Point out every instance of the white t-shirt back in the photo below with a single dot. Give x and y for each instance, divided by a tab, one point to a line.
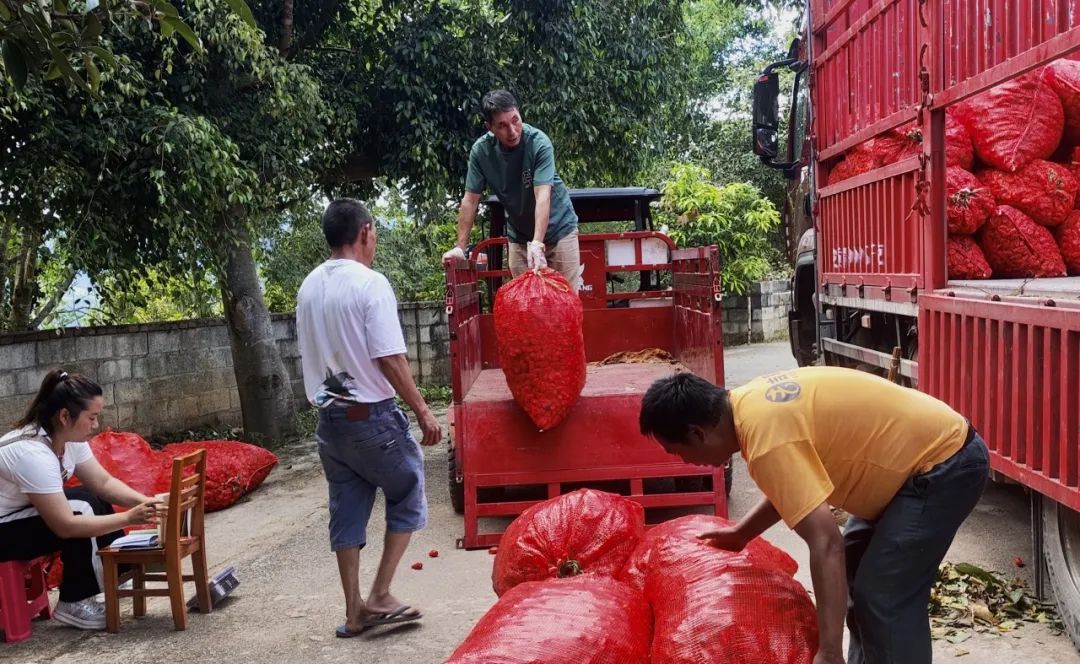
346	318
27	465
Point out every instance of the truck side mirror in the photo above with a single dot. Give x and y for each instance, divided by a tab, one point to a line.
766	115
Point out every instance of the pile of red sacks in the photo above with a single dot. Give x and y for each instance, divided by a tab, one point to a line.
233	469
580	580
1013	179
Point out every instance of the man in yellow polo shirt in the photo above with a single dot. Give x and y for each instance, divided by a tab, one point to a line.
907	467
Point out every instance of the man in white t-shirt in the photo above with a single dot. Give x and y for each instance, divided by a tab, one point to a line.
354	361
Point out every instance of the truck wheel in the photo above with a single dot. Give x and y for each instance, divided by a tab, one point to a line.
457	489
1061	546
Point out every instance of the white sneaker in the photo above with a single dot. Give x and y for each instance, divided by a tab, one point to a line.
84	614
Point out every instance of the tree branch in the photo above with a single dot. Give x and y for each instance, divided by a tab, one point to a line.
289	203
315	30
7	225
46	310
335	49
22	291
285	41
354	168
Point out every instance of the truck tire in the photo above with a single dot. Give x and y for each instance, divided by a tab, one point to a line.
1061	551
457	489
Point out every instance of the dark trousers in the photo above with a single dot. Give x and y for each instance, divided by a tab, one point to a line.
892	563
24	539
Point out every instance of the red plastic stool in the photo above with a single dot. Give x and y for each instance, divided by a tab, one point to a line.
24	595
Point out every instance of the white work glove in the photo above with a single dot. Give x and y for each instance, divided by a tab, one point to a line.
456	253
535	251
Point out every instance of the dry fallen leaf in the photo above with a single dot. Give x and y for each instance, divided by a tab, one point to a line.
981	612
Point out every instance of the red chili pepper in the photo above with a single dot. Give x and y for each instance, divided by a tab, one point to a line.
418	565
434	553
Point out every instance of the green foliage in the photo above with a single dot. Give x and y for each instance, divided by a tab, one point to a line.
68	40
183	145
734	216
408	253
306	422
156	297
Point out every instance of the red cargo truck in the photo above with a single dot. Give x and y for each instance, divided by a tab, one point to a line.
871	286
499	463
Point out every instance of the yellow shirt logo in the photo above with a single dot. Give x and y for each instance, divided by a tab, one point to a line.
782	392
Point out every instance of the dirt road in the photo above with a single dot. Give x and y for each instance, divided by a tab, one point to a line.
289	600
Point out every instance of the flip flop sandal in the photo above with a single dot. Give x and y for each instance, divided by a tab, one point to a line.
343	631
398	615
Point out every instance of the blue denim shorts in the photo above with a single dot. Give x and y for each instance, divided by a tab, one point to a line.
360	457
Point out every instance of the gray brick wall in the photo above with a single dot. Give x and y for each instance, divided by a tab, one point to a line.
173	376
758	316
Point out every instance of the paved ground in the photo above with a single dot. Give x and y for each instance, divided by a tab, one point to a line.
289	601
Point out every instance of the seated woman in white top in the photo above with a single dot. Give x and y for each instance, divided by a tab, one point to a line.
39	516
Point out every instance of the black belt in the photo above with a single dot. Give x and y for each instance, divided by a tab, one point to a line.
971	433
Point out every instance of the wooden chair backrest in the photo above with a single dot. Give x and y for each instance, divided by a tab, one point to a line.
186	494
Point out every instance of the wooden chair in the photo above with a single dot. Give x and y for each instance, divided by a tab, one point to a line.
185	498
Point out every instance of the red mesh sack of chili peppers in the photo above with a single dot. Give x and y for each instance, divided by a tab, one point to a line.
233	468
727	611
966	259
1068	239
583	532
683	533
130	458
583	620
968	204
1014	123
1017	247
541	348
1043	190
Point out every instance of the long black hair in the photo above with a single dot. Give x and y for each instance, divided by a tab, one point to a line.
59	390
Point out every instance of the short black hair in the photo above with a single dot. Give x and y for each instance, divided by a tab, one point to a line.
497	101
673	404
343	221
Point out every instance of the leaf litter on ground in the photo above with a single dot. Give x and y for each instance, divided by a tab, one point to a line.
966	599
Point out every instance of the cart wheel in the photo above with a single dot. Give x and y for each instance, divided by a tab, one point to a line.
457	489
1061	542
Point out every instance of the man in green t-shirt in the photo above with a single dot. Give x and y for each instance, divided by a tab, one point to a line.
517	162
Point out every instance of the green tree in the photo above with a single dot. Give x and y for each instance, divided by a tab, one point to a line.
733	216
185	155
63	38
409	253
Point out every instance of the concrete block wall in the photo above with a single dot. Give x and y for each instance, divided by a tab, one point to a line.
169	377
758	316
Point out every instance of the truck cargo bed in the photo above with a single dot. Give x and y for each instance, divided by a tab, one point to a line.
1059	288
600	380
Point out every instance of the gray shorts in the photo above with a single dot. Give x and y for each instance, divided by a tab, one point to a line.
360	457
